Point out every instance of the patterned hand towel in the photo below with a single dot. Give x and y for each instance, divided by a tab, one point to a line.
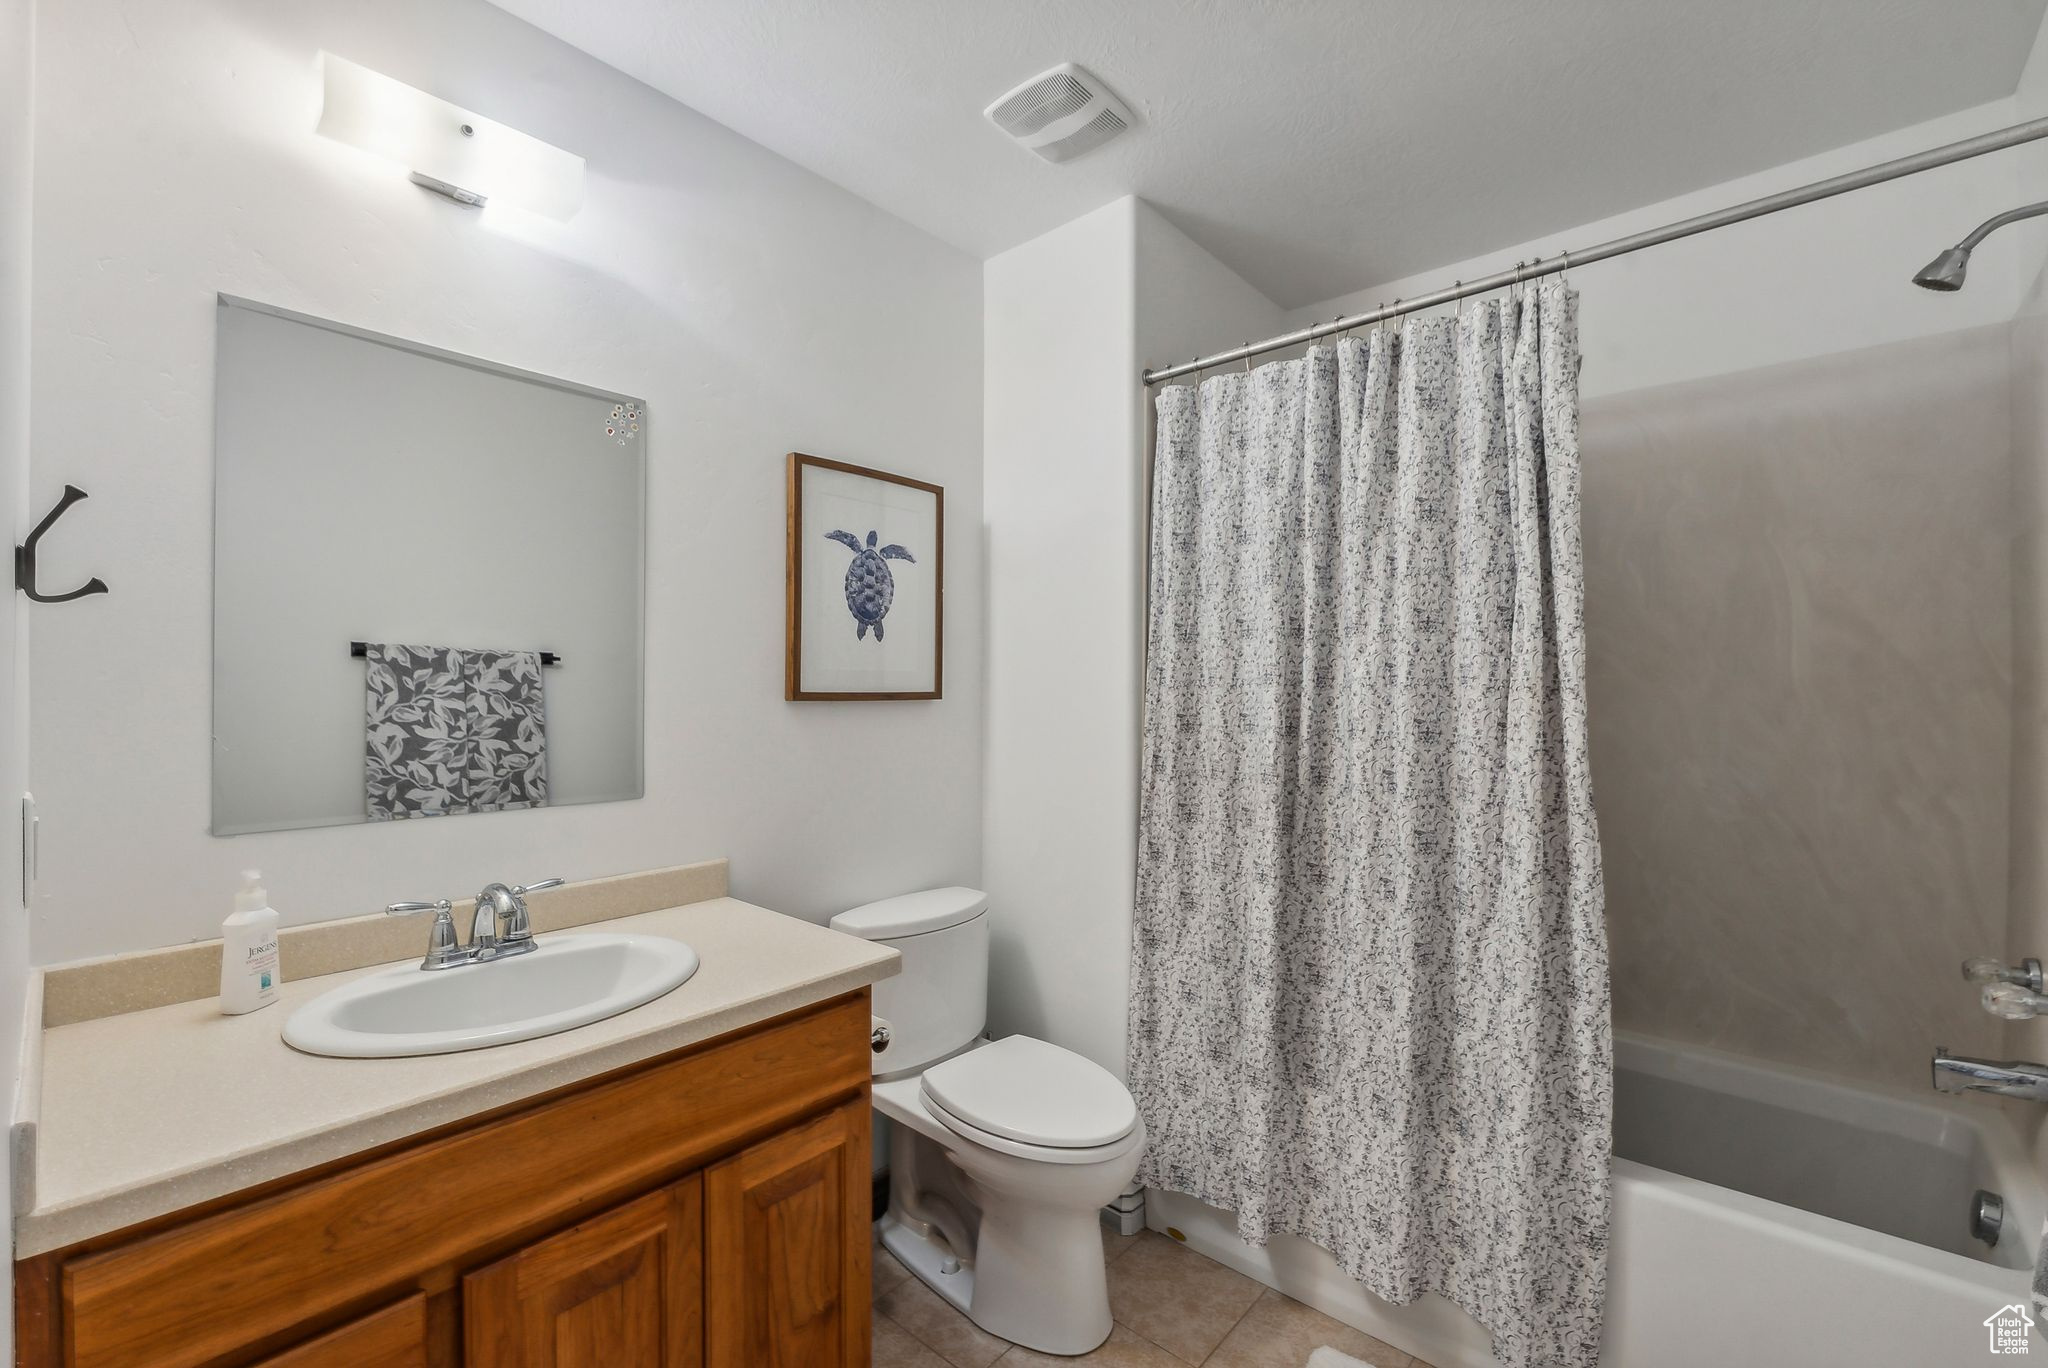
448	730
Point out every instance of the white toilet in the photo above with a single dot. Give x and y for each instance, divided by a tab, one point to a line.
1003	1152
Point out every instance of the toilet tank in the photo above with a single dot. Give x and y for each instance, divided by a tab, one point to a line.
940	1001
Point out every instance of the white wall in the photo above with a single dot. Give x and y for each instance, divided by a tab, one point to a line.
1059	500
17	93
1823	278
1188	301
757	309
367	492
1067	319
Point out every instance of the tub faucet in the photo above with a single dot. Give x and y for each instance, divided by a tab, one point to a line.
2007	1078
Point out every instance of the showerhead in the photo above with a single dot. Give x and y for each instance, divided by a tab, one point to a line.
1946	271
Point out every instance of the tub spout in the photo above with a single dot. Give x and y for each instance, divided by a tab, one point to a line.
2007	1078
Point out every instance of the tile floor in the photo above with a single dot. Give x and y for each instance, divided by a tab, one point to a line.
1173	1308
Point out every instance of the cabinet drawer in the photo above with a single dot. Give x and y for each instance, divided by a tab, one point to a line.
310	1250
395	1337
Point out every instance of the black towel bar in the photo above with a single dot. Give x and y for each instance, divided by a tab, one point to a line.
359	649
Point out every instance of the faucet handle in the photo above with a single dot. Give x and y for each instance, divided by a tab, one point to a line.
516	930
1985	969
444	948
2014	1002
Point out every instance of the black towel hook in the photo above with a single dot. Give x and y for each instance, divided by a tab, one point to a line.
25	556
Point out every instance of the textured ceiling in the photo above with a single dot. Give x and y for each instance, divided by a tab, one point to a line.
1315	146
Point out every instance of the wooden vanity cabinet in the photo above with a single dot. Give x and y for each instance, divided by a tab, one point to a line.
780	1219
627	1287
704	1209
395	1337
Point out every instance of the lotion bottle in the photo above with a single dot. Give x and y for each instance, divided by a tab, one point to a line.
248	950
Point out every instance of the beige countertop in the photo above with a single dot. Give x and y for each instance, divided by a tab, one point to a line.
152	1111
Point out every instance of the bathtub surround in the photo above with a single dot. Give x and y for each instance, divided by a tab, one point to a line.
1369	995
755	307
1800	636
2027	911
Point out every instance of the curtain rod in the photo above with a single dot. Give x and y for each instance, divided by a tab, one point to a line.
1634	242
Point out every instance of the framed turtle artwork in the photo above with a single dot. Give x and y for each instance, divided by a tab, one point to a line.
866	591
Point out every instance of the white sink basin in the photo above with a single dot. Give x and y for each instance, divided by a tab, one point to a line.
570	981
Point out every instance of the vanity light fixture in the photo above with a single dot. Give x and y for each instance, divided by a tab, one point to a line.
447	149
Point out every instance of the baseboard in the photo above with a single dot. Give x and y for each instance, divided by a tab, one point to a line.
1432	1329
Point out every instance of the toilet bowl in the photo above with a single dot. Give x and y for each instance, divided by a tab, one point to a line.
1002	1153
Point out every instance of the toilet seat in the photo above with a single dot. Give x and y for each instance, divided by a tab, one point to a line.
977	1138
1024	1096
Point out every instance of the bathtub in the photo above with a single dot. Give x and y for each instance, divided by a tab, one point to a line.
1763	1218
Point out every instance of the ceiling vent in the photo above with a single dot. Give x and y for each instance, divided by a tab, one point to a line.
1061	113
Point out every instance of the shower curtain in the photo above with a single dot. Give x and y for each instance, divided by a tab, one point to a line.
1369	996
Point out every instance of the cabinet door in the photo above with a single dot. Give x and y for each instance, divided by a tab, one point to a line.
786	1235
622	1288
395	1337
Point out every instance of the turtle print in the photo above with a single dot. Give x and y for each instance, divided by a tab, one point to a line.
870	588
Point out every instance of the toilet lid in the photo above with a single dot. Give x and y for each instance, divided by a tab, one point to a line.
1033	1092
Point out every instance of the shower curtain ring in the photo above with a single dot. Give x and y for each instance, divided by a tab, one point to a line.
1458	301
1564	271
1247	359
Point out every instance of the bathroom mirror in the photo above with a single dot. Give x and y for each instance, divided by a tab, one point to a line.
428	577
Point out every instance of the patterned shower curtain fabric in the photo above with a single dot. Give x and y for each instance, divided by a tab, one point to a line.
1369	966
450	731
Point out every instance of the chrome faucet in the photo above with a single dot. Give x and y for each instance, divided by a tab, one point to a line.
497	930
2007	1078
444	947
499	927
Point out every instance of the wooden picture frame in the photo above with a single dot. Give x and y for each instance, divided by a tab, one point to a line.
869	593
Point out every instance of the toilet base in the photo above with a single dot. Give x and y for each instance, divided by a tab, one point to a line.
927	1261
1027	1227
1044	1283
1070	1257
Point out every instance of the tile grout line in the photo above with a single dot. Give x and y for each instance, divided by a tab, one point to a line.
940	1354
931	1348
1234	1324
